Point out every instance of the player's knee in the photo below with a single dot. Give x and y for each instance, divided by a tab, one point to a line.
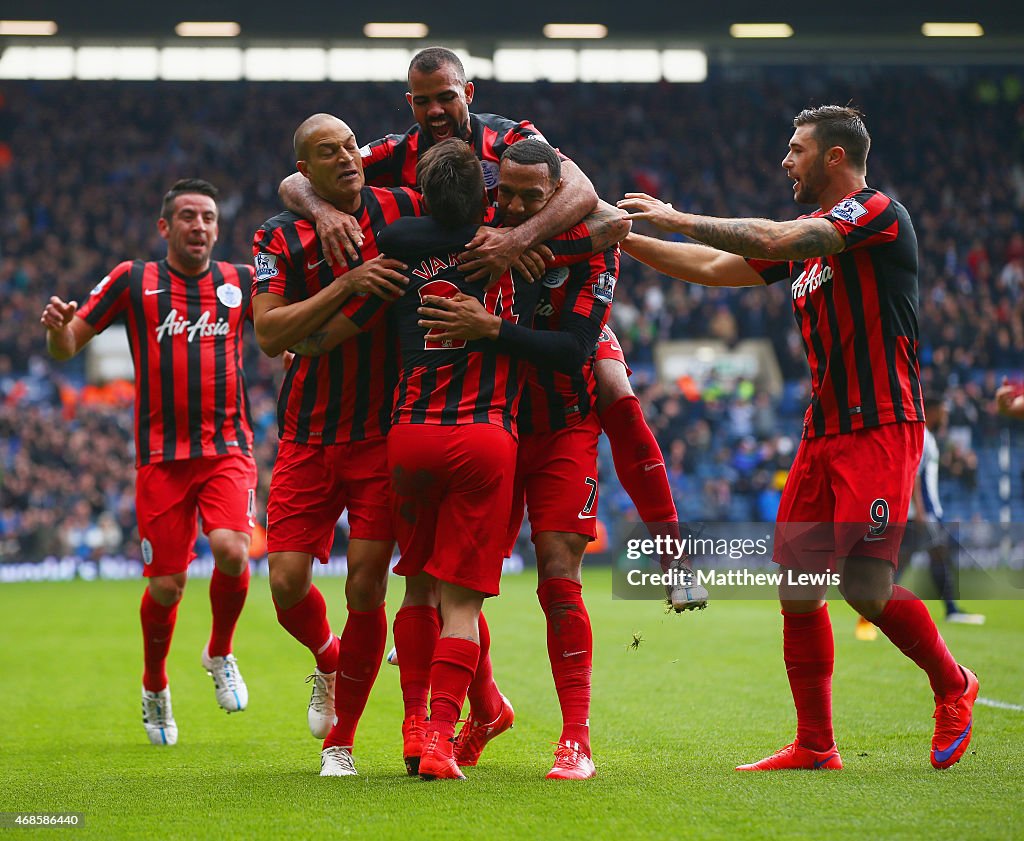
230	552
365	589
286	587
612	383
166	590
559	555
870	609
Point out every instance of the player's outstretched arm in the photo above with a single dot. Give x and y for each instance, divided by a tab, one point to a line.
692	263
758	238
66	333
338	231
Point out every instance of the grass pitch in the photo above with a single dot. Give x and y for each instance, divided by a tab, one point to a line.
701	693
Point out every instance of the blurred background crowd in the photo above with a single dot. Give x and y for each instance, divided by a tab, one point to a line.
83	167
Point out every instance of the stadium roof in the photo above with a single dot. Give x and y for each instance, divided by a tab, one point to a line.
699	24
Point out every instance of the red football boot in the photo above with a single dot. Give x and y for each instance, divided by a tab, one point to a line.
412	743
474	735
438	760
794	757
571	763
954	722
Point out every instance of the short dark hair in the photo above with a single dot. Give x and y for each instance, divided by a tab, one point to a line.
452	181
432	59
934	400
839	125
184	187
529	152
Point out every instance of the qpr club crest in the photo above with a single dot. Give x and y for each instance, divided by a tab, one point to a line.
605	287
229	295
99	287
554	278
147	551
266	266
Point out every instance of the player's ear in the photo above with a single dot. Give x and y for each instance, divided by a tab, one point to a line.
408	97
163	227
469	92
835	156
302	167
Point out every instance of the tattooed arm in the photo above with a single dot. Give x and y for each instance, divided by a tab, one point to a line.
607	226
337	329
691	262
758	238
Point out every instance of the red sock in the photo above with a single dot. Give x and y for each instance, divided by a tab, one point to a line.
639	462
910	627
570	650
484	697
455	661
809	652
157	630
416	630
359	656
306	620
227	597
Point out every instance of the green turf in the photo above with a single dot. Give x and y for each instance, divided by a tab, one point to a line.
671	718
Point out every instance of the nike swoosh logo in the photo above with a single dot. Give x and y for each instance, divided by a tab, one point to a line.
586	516
821	762
155	291
649	467
573	653
873	539
349	677
311	266
943	755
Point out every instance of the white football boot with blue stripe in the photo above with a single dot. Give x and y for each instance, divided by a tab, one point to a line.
232	693
685	592
157	717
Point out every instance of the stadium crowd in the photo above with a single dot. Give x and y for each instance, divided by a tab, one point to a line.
949	146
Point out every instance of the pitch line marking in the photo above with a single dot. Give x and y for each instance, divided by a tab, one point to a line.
1001	705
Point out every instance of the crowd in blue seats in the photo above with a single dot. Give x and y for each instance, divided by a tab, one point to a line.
83	167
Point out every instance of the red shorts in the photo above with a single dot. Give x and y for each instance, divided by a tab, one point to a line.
608	348
168	494
848	495
451	488
556	481
313	484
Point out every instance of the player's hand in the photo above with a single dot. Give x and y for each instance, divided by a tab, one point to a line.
340	235
1010	400
57	315
490	254
382	276
531	263
642	206
459	317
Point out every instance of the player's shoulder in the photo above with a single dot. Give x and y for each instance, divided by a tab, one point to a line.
119	276
284	219
864	204
383	146
392	194
501	124
228	270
